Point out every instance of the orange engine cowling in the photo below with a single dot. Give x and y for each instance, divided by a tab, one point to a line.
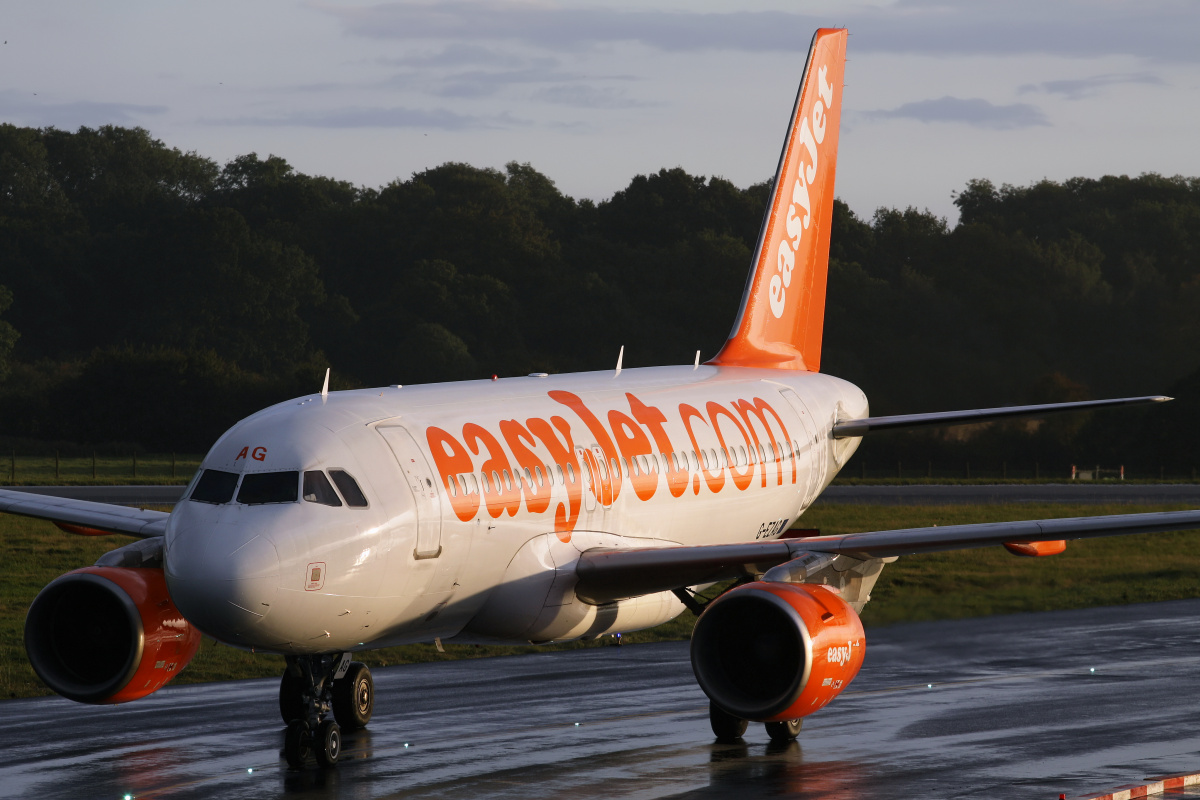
772	651
108	634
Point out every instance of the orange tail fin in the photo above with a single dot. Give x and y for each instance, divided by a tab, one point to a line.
783	308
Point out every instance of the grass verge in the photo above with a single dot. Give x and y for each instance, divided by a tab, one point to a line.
968	583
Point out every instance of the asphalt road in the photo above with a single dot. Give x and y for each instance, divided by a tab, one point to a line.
1106	492
1000	707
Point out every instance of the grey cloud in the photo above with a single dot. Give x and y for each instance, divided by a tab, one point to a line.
1079	88
480	83
25	106
1078	28
459	55
582	96
436	119
973	111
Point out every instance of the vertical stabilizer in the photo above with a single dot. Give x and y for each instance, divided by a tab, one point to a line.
783	308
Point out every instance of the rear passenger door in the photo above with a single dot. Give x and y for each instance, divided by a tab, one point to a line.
424	488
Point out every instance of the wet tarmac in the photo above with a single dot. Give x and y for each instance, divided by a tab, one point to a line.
1000	707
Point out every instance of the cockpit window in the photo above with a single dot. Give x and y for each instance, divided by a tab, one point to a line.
269	487
215	486
318	489
349	488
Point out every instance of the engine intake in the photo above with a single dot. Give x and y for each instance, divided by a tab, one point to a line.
107	635
770	651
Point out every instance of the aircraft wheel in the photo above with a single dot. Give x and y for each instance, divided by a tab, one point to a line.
328	745
291	698
725	726
784	731
297	743
354	697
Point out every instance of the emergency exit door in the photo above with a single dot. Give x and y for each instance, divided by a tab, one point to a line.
426	494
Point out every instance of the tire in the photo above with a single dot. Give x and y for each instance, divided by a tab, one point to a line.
291	698
784	731
354	697
328	744
725	726
297	743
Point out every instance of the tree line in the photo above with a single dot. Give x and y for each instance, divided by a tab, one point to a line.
153	297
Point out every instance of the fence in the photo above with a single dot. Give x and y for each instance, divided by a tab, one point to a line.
1004	470
100	468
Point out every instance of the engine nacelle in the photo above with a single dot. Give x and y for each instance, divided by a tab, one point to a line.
771	651
108	634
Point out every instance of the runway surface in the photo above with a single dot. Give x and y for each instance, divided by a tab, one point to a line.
1001	707
1105	492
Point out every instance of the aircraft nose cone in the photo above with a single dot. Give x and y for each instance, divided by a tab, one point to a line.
224	590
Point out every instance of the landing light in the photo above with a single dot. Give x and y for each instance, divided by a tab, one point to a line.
930	685
1093	669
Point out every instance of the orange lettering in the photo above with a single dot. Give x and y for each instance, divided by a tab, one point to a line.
537	497
594	425
453	459
633	442
259	454
715	484
242	454
655	420
501	498
563	454
757	408
740	480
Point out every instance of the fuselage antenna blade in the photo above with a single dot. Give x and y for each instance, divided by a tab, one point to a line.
620	358
697	364
325	388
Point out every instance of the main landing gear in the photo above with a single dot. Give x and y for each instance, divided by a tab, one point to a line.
314	686
728	728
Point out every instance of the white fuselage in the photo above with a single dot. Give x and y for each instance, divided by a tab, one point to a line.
481	495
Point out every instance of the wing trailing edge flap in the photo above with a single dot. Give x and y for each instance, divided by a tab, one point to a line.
606	575
100	517
857	427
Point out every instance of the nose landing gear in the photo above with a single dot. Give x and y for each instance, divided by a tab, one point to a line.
311	688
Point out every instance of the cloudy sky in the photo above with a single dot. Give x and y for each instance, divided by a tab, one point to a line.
592	92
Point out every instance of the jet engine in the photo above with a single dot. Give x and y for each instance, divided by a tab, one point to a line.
771	651
108	634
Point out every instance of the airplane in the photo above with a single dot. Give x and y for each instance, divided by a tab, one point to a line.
536	509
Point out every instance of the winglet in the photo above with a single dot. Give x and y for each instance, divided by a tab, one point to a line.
783	308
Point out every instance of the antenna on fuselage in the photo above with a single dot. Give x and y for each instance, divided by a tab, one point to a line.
697	364
620	358
325	388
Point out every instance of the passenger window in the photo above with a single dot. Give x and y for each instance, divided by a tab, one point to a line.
508	483
571	473
215	487
540	478
487	486
474	484
318	489
558	469
349	488
260	488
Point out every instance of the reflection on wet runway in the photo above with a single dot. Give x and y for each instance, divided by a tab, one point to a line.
996	707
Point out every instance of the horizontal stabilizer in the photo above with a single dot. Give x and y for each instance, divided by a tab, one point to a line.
609	575
857	427
85	514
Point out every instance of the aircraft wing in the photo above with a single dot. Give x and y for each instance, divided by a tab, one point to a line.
86	517
608	575
857	427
